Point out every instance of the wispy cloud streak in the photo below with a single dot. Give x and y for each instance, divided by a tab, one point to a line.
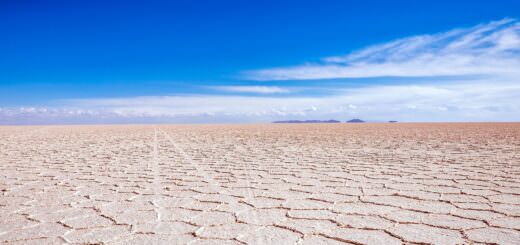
252	89
486	49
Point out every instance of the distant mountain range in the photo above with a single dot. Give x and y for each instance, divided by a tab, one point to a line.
320	121
308	121
355	120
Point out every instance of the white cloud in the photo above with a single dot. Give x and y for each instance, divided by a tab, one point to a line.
463	101
252	89
487	49
193	105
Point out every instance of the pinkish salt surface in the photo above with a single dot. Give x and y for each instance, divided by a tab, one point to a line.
261	184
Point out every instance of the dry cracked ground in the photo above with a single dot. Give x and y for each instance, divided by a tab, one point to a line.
261	184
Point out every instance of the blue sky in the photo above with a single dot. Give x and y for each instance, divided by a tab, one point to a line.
258	61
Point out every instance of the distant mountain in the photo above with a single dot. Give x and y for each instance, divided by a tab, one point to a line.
308	121
355	121
392	121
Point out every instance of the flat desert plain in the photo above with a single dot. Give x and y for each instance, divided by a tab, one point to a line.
261	184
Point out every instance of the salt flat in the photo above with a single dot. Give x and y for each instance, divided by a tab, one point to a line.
261	184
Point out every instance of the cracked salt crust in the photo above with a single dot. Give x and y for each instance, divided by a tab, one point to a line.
261	184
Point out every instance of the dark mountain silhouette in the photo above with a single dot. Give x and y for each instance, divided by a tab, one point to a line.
355	120
308	121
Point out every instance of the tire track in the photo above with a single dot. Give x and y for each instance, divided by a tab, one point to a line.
212	182
156	183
